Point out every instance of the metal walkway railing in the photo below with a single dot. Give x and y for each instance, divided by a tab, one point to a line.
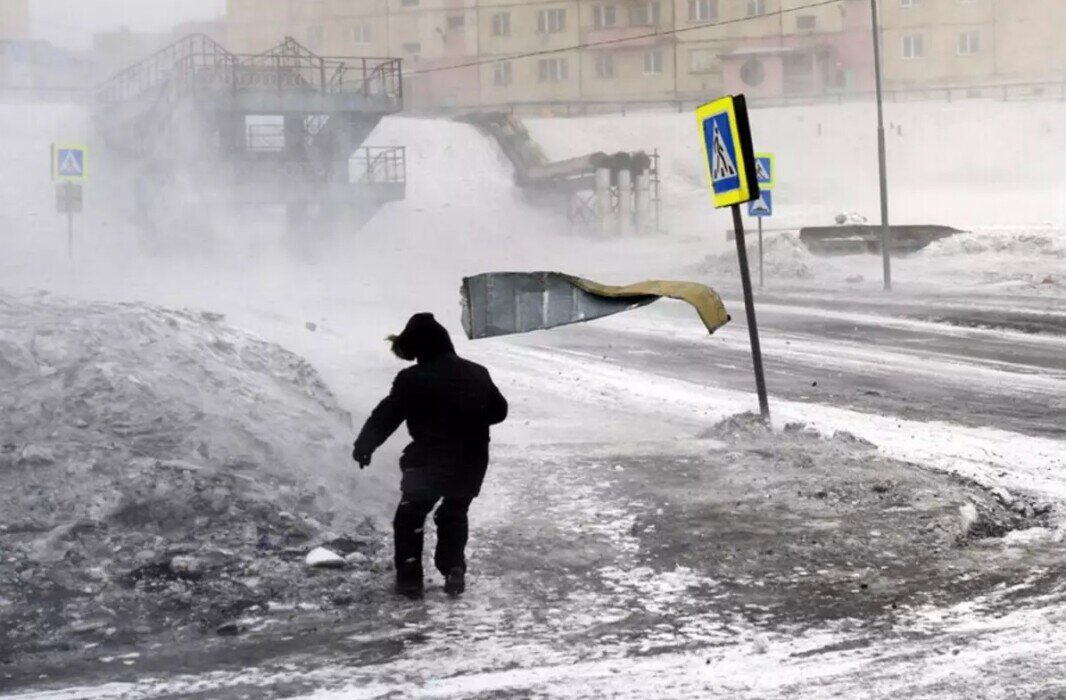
199	63
379	165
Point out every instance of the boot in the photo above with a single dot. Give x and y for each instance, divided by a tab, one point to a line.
455	582
409	590
409	582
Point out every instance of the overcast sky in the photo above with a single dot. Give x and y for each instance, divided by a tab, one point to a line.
72	23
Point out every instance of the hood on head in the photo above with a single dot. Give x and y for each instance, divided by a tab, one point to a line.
422	339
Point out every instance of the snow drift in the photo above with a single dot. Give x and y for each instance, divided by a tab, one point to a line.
103	401
785	257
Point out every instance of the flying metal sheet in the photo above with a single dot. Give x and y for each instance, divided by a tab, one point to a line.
503	303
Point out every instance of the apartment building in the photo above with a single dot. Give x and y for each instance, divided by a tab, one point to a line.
938	42
955	43
633	49
14	20
628	54
771	48
666	49
1027	38
633	52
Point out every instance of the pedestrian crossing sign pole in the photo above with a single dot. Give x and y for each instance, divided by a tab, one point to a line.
70	170
734	179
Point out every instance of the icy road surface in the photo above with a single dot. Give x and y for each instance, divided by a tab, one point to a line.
920	361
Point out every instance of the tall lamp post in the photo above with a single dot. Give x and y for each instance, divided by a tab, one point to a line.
885	253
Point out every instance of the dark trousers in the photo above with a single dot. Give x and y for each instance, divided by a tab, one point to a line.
408	529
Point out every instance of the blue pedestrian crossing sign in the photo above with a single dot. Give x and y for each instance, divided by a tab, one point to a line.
70	163
763	206
726	137
764	170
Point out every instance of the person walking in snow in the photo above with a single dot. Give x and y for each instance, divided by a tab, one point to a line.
448	404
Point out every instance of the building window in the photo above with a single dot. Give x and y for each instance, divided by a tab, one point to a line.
756	8
806	21
910	3
969	43
604	16
646	14
604	65
653	62
501	24
409	3
702	61
502	73
361	34
314	37
411	47
702	10
551	21
456	22
552	70
912	46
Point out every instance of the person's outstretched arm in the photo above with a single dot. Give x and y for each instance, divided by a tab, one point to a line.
497	409
383	422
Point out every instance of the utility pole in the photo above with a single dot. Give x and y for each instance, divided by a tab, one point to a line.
885	252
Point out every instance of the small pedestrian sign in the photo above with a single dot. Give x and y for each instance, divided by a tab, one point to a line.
726	139
70	163
763	206
764	170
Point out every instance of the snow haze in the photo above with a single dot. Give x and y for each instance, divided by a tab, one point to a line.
72	24
895	530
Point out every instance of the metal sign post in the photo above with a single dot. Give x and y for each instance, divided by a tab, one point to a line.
749	305
70	168
881	158
761	279
733	175
69	201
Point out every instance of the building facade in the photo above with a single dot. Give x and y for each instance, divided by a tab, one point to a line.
938	42
959	43
470	53
774	48
14	20
28	64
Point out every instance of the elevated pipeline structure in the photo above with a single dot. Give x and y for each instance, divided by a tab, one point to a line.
608	193
283	127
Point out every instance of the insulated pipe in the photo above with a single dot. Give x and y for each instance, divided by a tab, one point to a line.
565	168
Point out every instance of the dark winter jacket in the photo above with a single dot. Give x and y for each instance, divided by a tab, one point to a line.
448	404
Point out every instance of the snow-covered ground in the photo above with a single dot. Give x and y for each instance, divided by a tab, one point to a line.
890	370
